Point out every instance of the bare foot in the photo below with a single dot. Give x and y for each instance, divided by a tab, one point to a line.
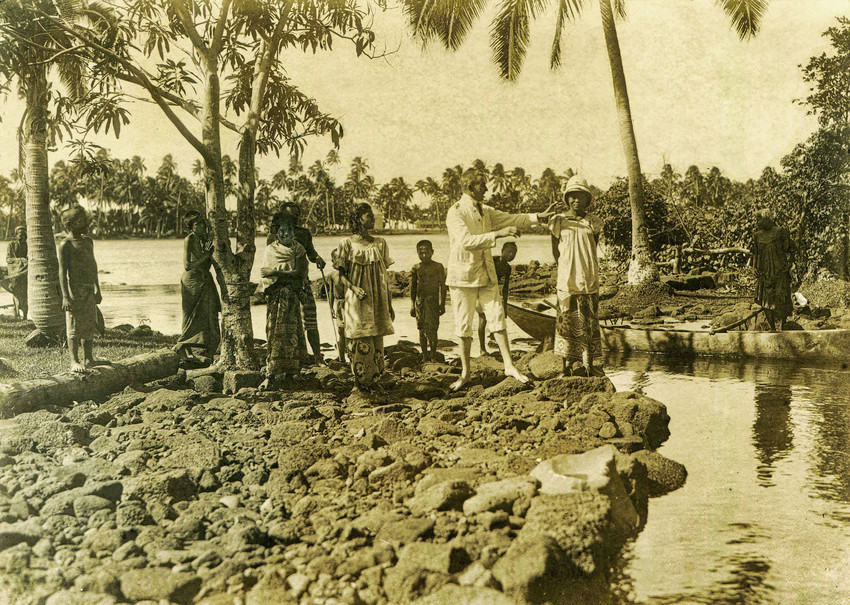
514	373
78	368
264	385
459	383
485	353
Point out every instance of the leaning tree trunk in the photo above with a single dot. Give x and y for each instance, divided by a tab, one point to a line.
45	299
641	267
237	339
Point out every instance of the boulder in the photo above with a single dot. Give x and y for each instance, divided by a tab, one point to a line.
595	469
177	485
405	531
646	416
664	475
156	584
532	568
570	389
40	431
500	495
234	380
582	525
441	558
21	532
546	365
465	595
448	495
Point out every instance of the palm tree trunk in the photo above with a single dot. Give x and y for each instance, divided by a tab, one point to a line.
45	300
641	267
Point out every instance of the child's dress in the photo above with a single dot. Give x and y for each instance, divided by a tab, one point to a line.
577	325
287	346
367	321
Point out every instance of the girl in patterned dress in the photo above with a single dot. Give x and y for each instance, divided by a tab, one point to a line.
362	261
283	276
574	236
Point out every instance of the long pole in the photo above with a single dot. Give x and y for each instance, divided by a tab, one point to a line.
331	307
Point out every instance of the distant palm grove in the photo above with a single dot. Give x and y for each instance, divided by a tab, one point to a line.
695	208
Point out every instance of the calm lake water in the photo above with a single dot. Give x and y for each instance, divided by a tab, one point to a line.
141	281
765	514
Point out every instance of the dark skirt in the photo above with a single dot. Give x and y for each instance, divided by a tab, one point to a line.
284	329
775	294
201	306
577	327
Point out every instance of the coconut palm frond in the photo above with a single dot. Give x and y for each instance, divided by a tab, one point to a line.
509	35
71	73
447	20
568	10
619	7
746	15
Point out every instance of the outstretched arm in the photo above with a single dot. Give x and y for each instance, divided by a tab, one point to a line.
459	232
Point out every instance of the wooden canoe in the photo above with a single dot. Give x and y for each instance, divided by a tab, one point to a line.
808	345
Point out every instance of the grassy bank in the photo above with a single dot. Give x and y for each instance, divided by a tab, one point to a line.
26	363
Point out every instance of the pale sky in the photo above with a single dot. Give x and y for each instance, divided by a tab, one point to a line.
698	94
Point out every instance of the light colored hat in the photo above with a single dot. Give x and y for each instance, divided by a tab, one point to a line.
577	183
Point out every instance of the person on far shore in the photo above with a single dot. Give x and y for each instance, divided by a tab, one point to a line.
16	265
427	297
283	272
503	275
309	313
201	302
80	288
336	295
575	234
773	254
362	263
473	230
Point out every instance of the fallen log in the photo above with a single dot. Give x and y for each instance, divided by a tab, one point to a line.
717	251
100	382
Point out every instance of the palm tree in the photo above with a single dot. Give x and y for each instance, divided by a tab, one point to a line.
432	189
449	22
333	160
28	51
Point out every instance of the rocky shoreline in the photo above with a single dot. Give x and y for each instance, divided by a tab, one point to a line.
174	492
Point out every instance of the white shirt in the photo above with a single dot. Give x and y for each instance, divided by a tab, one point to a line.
471	236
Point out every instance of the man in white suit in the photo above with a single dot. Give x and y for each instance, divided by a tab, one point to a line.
471	277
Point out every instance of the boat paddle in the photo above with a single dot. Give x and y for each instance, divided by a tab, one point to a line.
331	307
735	324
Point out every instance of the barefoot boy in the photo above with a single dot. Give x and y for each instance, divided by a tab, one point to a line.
503	274
427	297
80	287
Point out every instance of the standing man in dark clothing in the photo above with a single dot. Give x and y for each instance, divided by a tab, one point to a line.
308	302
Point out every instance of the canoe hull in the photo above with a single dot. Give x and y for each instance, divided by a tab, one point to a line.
804	345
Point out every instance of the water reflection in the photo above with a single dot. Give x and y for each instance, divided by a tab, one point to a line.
765	514
772	432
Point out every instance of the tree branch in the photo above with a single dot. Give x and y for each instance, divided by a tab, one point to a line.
144	81
218	32
189	26
172	98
